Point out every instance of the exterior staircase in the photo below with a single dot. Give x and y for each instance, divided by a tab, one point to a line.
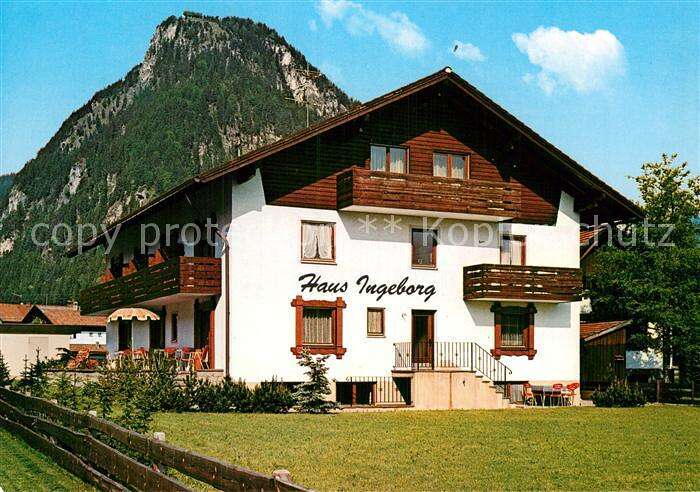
453	375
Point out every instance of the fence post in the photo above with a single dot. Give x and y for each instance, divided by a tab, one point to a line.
692	392
658	390
159	436
282	475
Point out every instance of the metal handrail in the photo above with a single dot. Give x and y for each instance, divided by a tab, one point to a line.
469	356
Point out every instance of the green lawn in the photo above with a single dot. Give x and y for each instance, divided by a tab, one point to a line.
23	469
656	447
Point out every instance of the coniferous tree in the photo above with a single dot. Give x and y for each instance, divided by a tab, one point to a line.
4	372
310	396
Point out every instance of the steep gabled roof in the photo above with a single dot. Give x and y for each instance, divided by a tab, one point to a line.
70	316
13	313
569	166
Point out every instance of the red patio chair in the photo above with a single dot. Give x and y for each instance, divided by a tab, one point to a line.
205	357
79	359
557	394
570	393
528	395
170	352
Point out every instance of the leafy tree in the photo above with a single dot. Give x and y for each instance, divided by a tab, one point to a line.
4	372
310	396
671	195
656	286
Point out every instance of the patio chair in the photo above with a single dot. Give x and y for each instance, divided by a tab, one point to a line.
570	393
79	359
187	358
528	395
205	357
557	394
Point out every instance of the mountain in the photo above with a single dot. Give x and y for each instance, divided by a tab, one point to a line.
208	89
6	181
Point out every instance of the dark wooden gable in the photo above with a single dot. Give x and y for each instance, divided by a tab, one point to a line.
440	117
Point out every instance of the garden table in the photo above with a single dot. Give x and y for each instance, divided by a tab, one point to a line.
543	391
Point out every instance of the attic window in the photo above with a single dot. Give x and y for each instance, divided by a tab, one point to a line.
389	159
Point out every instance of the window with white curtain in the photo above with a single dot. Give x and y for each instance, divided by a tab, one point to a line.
389	159
375	322
512	250
317	241
450	165
318	326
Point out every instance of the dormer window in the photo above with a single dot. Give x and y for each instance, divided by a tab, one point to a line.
389	159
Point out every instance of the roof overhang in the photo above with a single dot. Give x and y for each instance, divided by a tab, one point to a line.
607	331
42	329
568	164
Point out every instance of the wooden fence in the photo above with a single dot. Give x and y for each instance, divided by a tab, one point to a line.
75	441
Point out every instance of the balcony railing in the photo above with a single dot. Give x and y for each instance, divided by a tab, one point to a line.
182	275
515	282
360	188
466	356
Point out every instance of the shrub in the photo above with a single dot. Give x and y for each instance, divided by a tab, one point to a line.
5	378
310	396
33	379
272	397
237	395
620	394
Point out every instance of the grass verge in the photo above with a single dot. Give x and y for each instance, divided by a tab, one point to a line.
22	468
656	447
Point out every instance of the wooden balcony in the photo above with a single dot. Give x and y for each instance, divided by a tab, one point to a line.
522	283
371	191
182	276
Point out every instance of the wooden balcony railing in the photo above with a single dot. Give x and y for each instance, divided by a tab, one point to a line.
359	187
182	275
514	282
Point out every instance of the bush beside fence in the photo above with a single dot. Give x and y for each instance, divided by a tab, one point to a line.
40	422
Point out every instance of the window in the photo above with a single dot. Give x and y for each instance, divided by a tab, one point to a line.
375	322
512	250
140	259
513	327
319	326
116	265
514	330
173	327
388	159
450	165
424	247
318	242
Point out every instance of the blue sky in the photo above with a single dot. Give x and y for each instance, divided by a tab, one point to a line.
611	84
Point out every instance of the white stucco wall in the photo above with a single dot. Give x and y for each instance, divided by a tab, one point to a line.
15	347
265	267
89	337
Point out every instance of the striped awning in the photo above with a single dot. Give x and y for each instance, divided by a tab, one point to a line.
138	314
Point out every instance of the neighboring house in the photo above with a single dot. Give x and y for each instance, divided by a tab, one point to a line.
26	328
606	352
426	240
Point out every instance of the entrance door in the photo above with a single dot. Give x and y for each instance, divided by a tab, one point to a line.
422	337
157	332
124	341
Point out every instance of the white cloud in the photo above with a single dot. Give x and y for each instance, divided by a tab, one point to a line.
312	25
584	62
467	51
396	29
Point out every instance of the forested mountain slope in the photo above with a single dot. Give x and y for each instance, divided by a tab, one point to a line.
207	90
